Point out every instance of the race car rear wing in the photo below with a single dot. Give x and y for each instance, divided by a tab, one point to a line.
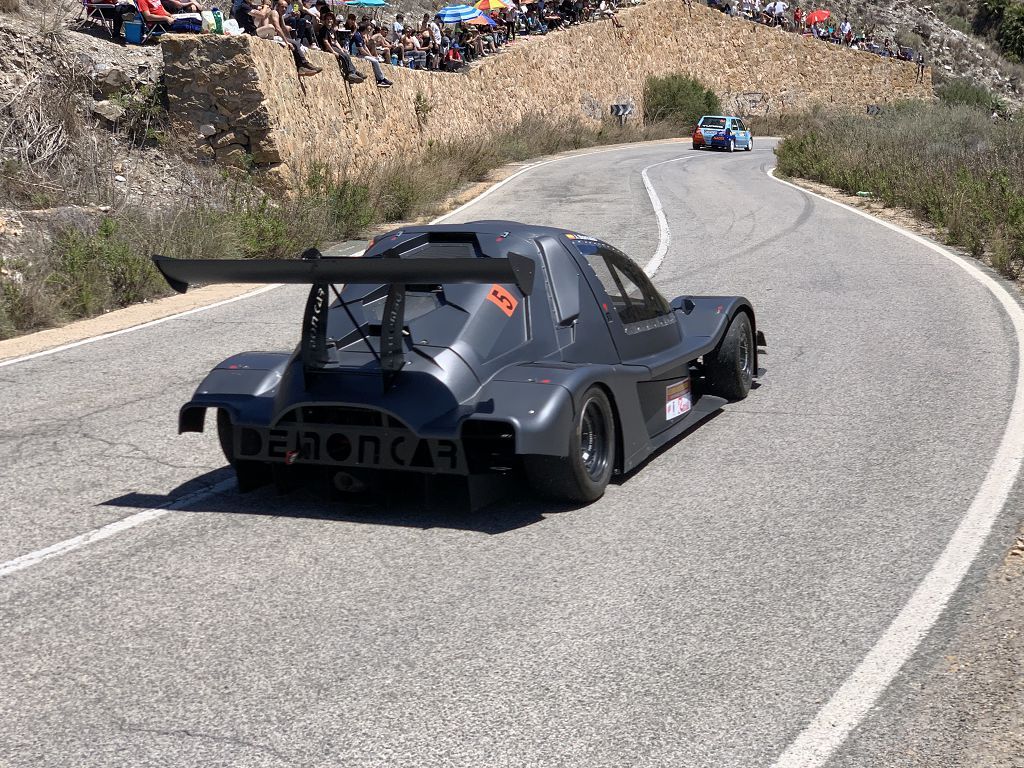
181	273
320	273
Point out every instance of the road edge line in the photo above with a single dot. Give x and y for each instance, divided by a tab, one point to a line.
863	687
29	559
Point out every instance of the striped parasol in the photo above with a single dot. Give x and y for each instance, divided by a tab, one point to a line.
453	14
490	5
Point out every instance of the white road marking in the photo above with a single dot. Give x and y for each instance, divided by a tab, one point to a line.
861	690
112	529
106	531
532	166
664	234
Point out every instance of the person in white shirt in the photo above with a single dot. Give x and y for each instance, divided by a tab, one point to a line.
435	31
846	31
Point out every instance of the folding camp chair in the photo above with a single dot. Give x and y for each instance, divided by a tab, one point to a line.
139	32
96	13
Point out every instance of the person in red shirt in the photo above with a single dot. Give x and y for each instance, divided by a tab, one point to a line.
153	12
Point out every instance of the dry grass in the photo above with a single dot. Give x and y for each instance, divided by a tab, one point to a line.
951	165
9	6
89	272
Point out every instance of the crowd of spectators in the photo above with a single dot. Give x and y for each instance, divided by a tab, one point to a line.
428	43
332	27
820	24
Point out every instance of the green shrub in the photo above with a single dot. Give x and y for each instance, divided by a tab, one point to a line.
1011	32
989	15
949	164
964	92
679	100
93	273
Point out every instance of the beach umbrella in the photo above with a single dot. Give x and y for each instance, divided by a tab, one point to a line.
816	16
453	14
366	3
490	5
482	21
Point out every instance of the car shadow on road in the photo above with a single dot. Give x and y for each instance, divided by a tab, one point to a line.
408	504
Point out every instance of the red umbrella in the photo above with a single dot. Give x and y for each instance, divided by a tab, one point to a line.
815	16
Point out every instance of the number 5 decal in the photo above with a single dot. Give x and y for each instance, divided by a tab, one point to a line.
505	300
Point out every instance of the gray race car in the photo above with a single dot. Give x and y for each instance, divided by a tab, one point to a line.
472	349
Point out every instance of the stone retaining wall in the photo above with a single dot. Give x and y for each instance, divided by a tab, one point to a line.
242	97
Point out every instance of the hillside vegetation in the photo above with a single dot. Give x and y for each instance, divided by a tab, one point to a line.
947	162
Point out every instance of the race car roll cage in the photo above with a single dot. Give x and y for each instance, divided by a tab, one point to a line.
388	268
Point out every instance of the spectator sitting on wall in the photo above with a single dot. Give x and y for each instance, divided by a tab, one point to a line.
328	41
364	48
385	49
266	23
413	48
297	16
607	11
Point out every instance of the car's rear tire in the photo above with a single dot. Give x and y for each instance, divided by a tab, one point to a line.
583	473
250	474
732	145
729	370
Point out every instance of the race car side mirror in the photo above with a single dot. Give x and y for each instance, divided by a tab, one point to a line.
683	304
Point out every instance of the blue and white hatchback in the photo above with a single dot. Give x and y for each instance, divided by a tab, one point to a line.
722	132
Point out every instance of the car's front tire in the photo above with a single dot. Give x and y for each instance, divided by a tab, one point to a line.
582	475
729	370
750	144
696	145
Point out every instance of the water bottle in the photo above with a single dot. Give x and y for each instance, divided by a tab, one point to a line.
218	21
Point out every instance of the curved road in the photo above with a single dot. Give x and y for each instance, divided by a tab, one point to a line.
698	615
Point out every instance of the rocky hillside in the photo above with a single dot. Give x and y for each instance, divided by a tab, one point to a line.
943	29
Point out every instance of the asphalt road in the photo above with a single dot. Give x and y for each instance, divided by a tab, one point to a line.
698	615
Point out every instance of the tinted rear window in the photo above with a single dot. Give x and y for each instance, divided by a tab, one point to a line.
712	122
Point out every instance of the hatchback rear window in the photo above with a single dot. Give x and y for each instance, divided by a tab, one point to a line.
717	123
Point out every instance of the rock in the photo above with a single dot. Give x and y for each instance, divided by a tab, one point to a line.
231	137
108	110
120	179
205	153
112	81
232	154
207	130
